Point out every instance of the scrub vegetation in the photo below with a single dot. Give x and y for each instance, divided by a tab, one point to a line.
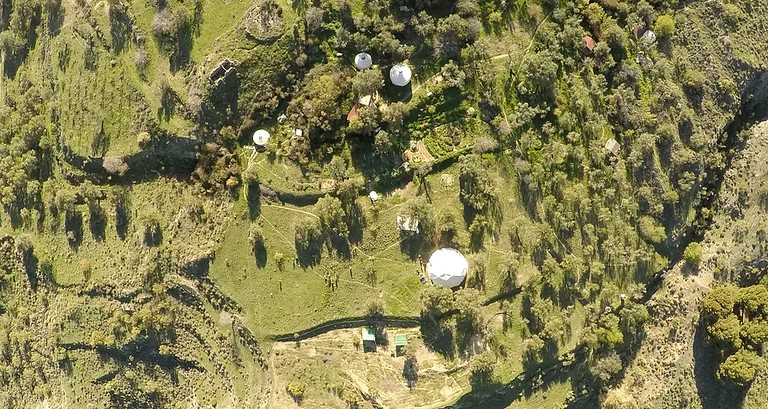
591	160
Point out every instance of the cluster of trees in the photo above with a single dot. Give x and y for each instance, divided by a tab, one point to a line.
25	146
388	36
456	319
31	195
736	322
28	353
18	22
562	119
339	218
216	167
479	194
147	328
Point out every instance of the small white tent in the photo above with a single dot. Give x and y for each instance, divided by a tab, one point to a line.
400	75
261	137
363	61
447	267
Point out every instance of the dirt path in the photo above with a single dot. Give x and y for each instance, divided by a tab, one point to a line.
291	209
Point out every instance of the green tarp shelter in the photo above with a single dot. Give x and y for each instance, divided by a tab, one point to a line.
369	339
401	340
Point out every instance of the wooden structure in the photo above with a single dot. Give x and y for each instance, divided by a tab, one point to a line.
589	45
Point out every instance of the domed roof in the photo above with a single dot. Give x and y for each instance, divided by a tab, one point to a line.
363	61
261	137
447	267
400	75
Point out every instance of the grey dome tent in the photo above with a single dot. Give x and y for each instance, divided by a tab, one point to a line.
363	61
400	75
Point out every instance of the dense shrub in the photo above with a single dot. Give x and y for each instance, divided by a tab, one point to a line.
296	390
141	60
651	230
664	26
692	254
165	25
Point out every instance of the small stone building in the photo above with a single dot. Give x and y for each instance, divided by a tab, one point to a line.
224	70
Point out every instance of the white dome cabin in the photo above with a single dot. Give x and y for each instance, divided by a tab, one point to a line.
363	61
447	267
400	75
260	138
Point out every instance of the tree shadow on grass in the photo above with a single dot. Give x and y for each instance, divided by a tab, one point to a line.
341	247
31	267
168	102
253	196
309	253
73	225
260	254
120	27
438	337
411	244
55	19
14	215
411	371
493	395
713	393
356	222
153	234
183	51
97	224
122	218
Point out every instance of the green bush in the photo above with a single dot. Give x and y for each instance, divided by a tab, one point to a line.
732	14
740	368
296	390
692	254
651	230
665	26
694	79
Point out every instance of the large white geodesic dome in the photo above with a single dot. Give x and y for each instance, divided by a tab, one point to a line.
447	267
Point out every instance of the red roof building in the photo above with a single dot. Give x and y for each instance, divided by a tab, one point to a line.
352	112
589	44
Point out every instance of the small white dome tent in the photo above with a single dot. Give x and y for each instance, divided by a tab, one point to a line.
261	137
363	61
400	75
447	267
